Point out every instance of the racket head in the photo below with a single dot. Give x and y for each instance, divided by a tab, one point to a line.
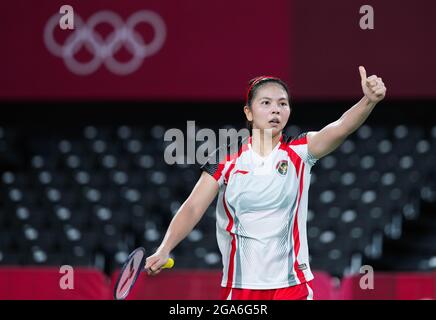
129	273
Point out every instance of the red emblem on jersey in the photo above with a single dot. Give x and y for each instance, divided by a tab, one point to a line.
282	167
241	171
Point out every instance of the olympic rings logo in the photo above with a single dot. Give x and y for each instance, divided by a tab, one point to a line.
103	50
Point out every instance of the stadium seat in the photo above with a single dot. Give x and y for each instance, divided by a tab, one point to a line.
92	194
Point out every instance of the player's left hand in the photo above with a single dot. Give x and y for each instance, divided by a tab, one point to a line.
155	262
373	87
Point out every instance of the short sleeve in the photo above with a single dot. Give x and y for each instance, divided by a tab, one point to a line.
216	170
299	145
220	161
215	166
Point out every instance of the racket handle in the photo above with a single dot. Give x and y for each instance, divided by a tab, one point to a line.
169	264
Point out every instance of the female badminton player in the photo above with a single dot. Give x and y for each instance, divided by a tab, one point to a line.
263	196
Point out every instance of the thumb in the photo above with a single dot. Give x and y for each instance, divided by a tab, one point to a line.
362	73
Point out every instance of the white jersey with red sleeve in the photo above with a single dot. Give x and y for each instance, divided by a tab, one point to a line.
261	215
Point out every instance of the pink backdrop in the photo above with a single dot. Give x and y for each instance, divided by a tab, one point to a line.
90	284
211	49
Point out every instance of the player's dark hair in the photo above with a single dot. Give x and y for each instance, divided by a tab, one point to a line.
255	84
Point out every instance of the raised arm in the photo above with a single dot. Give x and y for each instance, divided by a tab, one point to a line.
184	221
321	143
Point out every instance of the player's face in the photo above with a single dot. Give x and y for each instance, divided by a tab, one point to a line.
270	108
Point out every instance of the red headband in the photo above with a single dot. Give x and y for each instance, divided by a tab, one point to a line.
256	81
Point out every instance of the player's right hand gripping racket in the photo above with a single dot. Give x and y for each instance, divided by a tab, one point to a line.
133	266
